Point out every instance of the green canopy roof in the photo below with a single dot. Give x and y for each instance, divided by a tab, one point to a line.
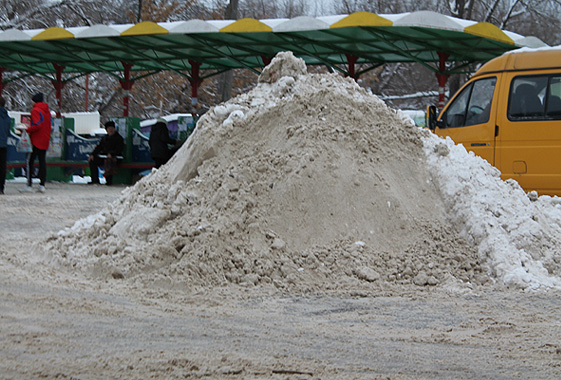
217	45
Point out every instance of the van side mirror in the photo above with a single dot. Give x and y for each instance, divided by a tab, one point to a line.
431	117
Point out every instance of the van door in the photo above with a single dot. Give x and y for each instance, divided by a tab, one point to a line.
529	132
469	118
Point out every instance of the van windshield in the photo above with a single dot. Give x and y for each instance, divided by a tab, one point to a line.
472	106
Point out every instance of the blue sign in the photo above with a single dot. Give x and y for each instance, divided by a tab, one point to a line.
140	147
79	148
12	154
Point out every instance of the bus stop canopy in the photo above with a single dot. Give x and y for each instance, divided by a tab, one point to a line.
198	49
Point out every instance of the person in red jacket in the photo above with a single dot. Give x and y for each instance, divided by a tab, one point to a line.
40	134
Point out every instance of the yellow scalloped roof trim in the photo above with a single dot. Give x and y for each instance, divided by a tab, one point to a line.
487	30
362	19
145	28
246	25
54	33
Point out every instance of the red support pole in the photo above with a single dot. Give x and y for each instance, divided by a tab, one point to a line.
126	83
266	60
442	79
58	84
195	81
351	59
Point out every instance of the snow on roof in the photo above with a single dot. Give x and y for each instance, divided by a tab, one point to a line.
168	118
301	23
425	19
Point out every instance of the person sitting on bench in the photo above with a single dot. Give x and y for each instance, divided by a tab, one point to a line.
106	154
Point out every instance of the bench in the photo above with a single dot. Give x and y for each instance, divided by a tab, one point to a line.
70	167
82	164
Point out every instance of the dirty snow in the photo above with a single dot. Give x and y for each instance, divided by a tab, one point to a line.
311	183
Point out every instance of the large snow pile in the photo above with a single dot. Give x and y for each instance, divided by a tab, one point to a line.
307	183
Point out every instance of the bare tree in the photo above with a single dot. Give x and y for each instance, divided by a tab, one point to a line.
293	8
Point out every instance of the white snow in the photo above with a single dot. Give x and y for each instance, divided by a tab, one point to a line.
512	232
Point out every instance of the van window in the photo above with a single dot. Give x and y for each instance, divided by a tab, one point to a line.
472	106
529	96
553	107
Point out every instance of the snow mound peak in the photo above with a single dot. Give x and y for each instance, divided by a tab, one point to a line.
285	64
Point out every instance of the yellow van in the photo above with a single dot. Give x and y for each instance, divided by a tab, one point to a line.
509	113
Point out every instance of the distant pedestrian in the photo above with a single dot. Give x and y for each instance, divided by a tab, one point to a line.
106	153
161	144
39	132
4	132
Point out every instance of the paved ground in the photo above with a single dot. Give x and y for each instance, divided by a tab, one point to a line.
57	324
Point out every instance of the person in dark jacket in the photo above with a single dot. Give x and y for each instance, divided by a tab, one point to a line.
106	153
4	132
39	132
160	142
